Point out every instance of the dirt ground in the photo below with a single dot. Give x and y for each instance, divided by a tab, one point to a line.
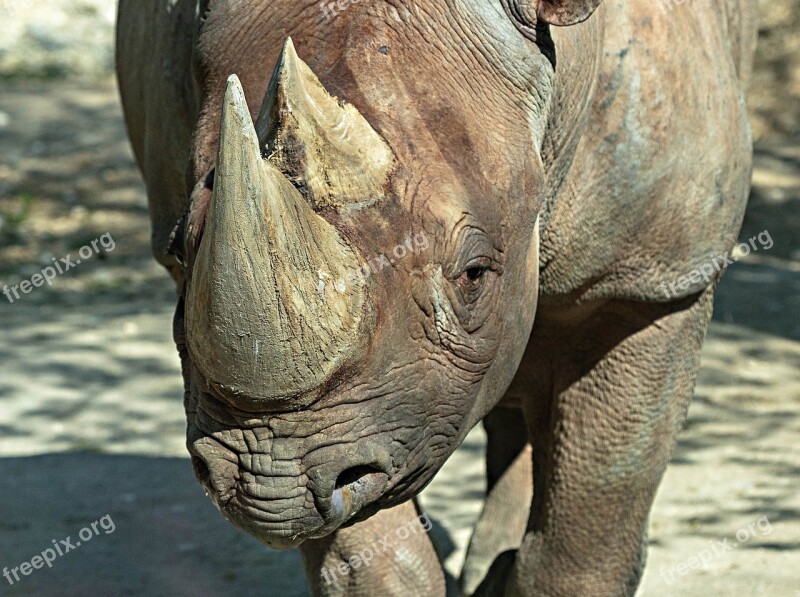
91	419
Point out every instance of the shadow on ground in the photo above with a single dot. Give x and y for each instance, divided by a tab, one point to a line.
168	539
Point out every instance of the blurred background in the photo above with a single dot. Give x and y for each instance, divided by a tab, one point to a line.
91	417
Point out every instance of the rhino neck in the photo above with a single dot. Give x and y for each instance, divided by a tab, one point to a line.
578	52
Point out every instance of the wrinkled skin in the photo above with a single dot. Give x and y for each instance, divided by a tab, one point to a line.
574	169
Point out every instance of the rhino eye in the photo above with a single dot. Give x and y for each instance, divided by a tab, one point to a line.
473	278
475	273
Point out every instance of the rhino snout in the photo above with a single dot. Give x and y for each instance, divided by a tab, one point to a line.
285	501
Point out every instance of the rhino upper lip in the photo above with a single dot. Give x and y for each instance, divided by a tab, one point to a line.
337	500
238	504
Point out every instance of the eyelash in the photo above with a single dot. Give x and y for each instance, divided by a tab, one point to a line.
476	272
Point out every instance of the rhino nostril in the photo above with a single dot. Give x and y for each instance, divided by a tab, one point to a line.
200	469
354	475
355	488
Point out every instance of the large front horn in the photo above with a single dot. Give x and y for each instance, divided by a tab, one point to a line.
326	147
263	320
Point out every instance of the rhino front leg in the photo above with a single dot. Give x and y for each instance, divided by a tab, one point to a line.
390	554
502	523
602	442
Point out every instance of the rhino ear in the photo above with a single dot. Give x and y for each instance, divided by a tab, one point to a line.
566	12
555	12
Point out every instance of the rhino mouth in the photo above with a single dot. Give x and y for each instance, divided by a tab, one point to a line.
282	524
275	488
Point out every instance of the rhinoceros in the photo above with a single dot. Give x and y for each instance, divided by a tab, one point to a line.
365	205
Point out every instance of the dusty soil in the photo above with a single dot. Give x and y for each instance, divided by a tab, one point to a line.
91	419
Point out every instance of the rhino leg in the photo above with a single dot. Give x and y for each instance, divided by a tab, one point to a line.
506	438
389	554
603	427
501	526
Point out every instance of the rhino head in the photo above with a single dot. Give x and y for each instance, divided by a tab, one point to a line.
361	286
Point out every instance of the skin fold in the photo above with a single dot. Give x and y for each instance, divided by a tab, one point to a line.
563	161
